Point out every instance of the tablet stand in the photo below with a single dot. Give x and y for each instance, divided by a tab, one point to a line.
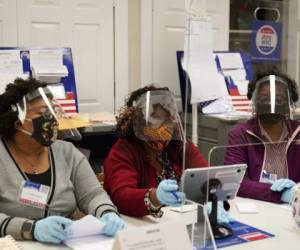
219	230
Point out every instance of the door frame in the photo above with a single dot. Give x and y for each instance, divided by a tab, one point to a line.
146	42
121	68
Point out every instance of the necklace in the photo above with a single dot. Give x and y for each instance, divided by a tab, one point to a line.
167	169
34	168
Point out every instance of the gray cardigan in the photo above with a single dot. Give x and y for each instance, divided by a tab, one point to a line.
73	184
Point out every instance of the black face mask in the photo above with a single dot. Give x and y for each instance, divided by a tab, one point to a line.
262	108
45	130
270	118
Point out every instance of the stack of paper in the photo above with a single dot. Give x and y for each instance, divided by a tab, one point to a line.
49	74
47	65
86	234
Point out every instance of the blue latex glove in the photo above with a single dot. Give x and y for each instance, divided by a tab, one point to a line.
287	195
112	223
222	215
167	193
281	184
53	229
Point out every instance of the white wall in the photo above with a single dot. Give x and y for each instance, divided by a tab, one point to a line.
97	32
162	34
134	49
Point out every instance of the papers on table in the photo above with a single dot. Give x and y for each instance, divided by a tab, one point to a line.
72	121
9	243
104	117
87	226
47	65
199	61
185	208
247	207
87	235
95	242
78	120
221	105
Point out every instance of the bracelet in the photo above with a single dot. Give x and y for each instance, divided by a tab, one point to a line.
153	210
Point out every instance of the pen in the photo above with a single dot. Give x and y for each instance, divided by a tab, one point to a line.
175	195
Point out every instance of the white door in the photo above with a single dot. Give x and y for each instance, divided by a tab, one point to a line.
8	23
87	27
167	22
294	40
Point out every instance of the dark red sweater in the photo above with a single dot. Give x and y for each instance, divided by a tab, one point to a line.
128	176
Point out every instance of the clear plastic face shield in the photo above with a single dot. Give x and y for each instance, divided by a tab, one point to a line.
39	108
271	99
156	120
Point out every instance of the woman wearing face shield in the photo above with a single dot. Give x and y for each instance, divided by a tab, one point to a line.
268	141
43	180
143	169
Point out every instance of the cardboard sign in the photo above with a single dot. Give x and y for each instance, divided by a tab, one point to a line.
158	236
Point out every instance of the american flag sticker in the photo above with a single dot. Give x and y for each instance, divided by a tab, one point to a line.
254	236
68	104
241	103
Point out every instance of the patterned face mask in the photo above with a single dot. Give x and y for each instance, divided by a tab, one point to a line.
160	137
45	129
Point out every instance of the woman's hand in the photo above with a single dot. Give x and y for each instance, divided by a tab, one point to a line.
167	193
53	229
222	215
112	223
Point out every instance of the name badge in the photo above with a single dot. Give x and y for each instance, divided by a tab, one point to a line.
34	194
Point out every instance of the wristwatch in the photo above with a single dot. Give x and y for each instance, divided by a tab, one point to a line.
27	230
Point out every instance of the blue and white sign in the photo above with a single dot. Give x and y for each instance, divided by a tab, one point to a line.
266	41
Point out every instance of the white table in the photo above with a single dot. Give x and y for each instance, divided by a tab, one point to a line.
273	218
187	218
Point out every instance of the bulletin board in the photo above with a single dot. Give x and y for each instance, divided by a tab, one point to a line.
68	81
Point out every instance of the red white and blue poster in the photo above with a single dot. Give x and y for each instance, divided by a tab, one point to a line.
242	233
266	41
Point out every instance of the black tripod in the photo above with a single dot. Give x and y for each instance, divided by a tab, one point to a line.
219	230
